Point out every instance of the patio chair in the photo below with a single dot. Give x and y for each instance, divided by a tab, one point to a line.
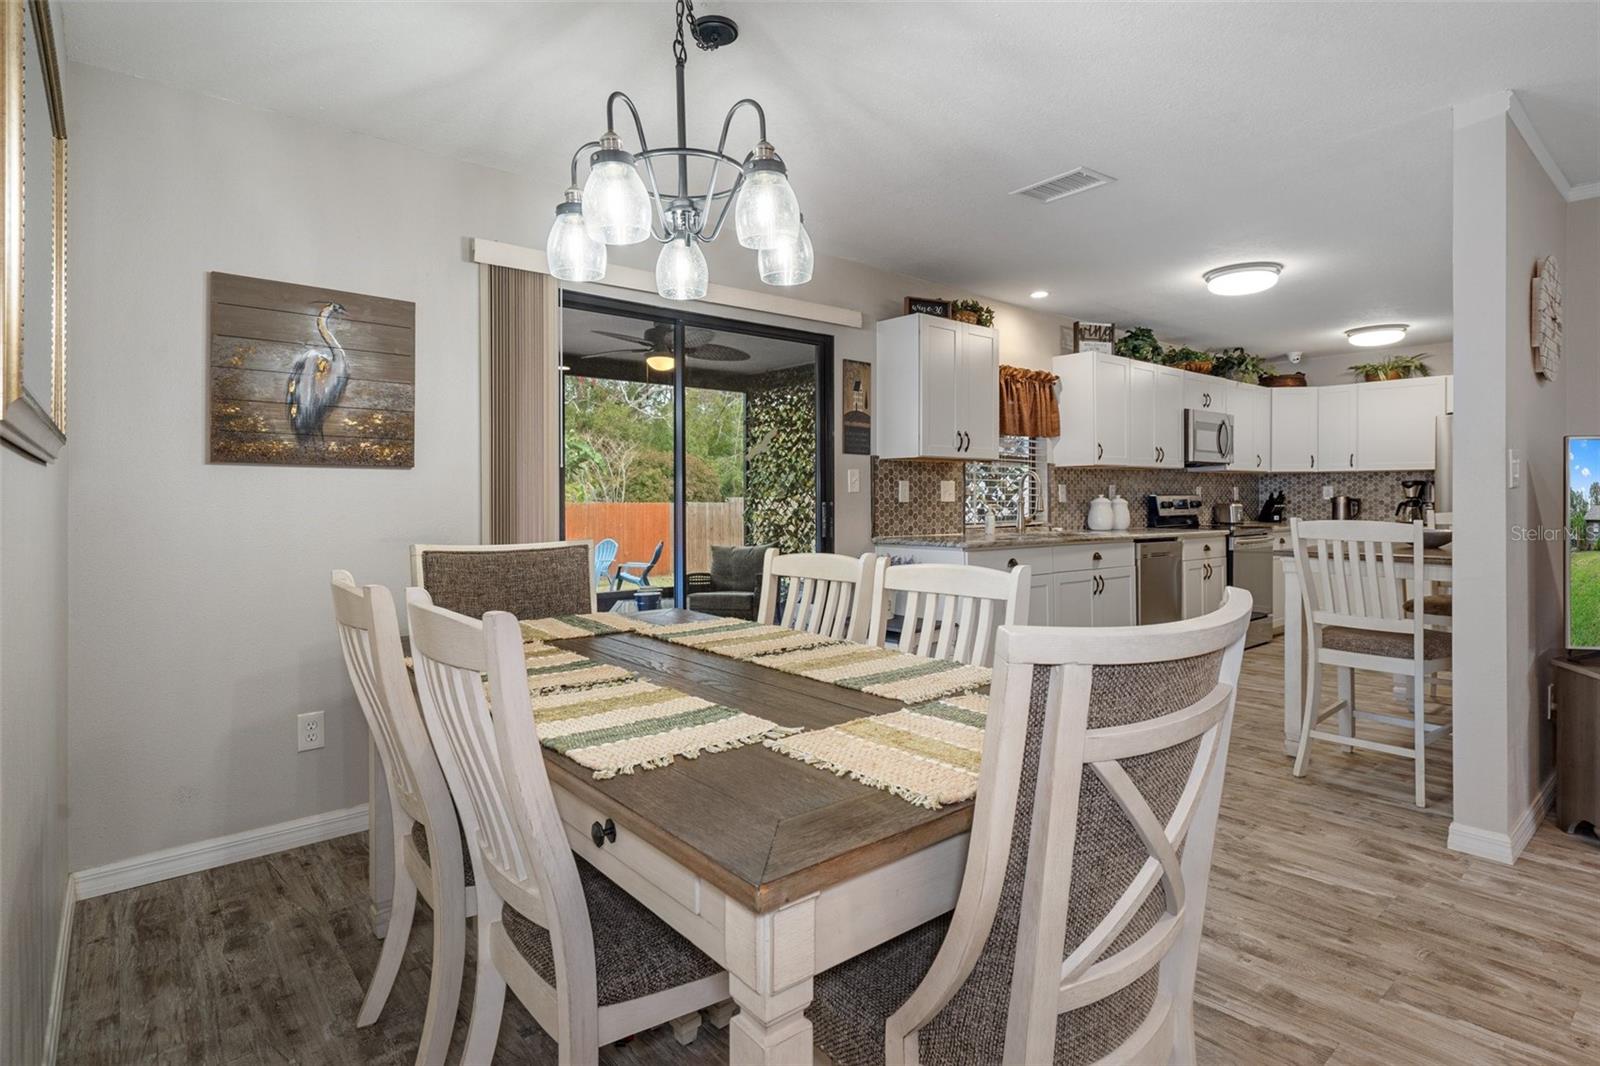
605	553
637	573
733	586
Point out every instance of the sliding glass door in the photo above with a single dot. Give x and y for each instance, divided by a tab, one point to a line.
682	432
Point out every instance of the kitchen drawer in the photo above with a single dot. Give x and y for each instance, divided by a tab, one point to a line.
579	818
1094	556
1207	549
1041	559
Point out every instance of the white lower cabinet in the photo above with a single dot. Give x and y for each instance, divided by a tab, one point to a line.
1094	598
1204	584
1069	585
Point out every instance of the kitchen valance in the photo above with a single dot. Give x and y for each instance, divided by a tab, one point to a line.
1028	403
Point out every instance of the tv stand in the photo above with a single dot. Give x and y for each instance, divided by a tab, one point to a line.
1577	713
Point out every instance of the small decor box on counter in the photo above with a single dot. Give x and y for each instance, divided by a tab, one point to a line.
922	305
1094	337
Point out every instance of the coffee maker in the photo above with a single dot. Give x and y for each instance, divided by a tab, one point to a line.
1417	500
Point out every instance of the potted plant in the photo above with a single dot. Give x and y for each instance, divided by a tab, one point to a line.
1139	344
1240	365
1190	359
973	312
1393	368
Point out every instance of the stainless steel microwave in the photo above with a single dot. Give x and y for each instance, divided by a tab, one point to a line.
1207	438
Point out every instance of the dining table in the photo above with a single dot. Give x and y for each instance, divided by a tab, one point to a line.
1436	568
776	869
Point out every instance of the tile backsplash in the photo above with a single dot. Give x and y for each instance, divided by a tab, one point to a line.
1133	484
925	513
1379	491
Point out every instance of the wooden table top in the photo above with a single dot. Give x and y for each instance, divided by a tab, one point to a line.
761	827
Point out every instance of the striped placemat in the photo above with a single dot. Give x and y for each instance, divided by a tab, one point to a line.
552	669
566	626
927	754
639	725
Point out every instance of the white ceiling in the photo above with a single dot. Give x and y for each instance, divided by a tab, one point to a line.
1313	134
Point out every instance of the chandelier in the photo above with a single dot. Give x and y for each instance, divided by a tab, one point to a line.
615	205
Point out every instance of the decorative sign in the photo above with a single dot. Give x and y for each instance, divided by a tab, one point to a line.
1545	318
857	408
1094	336
921	305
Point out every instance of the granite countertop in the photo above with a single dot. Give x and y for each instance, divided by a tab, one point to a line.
1003	539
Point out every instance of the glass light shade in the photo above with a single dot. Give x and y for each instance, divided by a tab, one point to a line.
616	207
1242	279
789	263
573	255
661	362
767	213
681	272
1376	336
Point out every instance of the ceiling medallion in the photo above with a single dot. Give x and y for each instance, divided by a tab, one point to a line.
615	206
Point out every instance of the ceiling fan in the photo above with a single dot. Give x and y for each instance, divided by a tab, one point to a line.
656	346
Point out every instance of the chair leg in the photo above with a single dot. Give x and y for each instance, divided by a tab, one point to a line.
686	1027
1313	699
1347	697
1419	728
720	1014
488	994
444	987
403	908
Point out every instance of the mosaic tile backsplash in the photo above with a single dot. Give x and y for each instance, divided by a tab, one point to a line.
926	513
1379	491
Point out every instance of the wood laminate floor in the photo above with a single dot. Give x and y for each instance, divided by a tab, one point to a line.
1339	931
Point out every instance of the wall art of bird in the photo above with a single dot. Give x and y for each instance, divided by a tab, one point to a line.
317	379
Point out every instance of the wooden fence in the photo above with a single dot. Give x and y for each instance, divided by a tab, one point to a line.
638	527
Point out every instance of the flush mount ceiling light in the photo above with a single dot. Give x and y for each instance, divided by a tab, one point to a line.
1377	336
614	205
1037	294
1242	279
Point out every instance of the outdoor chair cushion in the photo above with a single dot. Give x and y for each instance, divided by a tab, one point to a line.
724	604
737	569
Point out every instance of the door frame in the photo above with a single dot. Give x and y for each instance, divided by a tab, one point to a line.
824	498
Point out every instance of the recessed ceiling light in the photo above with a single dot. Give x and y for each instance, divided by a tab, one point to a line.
1377	336
659	362
1242	279
1038	294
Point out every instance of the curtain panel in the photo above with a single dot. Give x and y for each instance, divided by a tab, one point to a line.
521	405
1028	403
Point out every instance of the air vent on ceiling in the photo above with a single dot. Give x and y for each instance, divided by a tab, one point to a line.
1082	179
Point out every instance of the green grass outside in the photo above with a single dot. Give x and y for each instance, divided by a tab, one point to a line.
1585	599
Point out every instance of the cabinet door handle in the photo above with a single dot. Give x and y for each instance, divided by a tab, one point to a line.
1258	460
1313	462
1099	451
1205	547
1352	458
968	438
602	833
1011	564
1097	557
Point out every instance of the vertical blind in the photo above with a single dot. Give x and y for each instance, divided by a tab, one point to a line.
522	397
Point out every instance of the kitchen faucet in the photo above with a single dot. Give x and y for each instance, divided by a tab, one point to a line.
1023	496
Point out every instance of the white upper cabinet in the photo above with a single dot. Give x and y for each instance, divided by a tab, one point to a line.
1166	416
1336	427
945	377
1205	392
1294	429
1095	424
1395	422
1251	407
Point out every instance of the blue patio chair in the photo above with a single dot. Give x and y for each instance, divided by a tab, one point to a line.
638	573
605	553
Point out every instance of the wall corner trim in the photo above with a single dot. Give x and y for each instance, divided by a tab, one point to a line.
218	851
1505	102
58	977
1505	847
501	253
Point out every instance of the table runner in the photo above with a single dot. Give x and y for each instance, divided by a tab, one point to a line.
927	754
565	626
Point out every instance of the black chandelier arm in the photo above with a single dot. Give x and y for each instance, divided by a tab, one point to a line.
582	148
761	121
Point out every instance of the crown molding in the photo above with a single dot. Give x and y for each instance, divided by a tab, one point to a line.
1505	103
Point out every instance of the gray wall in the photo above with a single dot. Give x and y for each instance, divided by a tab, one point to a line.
1333	368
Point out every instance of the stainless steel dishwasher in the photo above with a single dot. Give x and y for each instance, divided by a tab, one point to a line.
1250	565
1160	573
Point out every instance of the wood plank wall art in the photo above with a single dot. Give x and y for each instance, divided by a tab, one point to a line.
310	377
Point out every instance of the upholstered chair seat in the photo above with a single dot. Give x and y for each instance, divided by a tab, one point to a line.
1434	604
1435	642
419	840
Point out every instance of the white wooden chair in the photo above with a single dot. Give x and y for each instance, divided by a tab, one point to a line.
427	836
962	606
1076	934
827	594
591	964
529	580
1355	611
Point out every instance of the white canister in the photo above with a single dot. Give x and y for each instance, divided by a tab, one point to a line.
1121	517
1101	518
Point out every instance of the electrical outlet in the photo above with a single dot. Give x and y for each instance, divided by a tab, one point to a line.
1327	492
1061	492
1513	469
309	734
852	481
903	492
947	492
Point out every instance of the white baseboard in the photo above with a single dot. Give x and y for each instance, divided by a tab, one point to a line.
220	851
1505	847
58	978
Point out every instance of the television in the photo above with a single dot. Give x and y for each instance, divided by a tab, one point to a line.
1583	543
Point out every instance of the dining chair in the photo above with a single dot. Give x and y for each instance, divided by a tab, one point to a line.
961	606
1076	932
427	835
825	594
528	580
591	963
605	553
1357	620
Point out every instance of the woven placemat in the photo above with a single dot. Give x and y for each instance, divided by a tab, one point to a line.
927	754
567	626
552	670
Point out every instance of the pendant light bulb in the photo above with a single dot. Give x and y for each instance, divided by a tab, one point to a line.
616	205
572	253
767	213
681	271
789	263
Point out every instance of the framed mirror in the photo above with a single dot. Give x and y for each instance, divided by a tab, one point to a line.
33	219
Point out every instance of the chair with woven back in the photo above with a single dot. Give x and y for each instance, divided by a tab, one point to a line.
591	963
428	842
528	580
947	611
1358	618
1076	934
830	595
